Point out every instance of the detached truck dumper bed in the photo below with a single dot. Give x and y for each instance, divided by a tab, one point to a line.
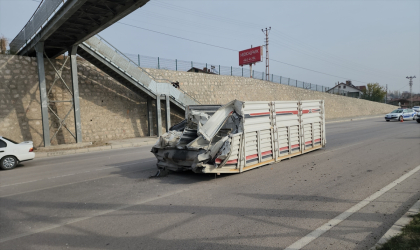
241	135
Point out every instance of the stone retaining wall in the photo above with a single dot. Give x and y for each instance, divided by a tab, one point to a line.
108	109
111	111
218	89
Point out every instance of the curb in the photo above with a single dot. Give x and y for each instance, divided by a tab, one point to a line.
355	119
139	144
399	225
91	149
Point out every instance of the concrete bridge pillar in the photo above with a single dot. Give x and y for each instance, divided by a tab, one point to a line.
168	112
149	115
39	48
158	116
75	87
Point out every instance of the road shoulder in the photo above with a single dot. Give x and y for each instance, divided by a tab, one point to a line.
398	225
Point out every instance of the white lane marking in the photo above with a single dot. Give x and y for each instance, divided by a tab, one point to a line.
332	223
60	176
89	217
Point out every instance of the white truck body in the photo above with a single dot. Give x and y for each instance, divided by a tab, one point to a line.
241	135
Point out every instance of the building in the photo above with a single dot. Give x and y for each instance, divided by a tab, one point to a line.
405	102
347	89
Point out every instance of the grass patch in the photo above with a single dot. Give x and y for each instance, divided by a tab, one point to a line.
409	239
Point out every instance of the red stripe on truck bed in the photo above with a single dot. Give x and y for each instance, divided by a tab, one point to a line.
294	112
249	157
309	142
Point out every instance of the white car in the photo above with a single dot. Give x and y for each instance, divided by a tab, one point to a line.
416	108
11	153
401	114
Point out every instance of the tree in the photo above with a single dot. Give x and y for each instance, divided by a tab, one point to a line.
374	92
3	45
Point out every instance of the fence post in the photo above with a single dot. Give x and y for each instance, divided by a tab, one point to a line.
310	86
231	70
192	65
316	87
296	83
288	82
242	71
139	58
176	64
158	63
280	80
219	69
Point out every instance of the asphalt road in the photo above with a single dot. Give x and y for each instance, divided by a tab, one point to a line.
345	196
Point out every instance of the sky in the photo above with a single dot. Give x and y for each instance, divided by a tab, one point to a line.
321	42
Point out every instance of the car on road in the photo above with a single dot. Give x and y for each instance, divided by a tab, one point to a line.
11	153
401	114
416	108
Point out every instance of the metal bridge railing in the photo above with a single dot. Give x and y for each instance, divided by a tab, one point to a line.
125	64
42	14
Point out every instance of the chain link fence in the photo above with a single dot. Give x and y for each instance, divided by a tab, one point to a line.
191	66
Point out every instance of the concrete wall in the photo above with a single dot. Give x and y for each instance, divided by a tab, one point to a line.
217	89
108	109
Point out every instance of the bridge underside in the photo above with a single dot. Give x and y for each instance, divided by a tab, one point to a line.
78	20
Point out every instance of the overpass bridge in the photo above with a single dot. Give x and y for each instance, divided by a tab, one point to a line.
60	26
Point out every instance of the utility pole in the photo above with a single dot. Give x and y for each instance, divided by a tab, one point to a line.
386	96
411	88
267	66
250	68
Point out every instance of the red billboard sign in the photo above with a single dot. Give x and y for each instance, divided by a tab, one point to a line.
250	56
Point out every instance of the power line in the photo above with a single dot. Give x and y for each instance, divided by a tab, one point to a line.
403	87
282	46
328	55
316	71
192	28
216	46
340	60
134	26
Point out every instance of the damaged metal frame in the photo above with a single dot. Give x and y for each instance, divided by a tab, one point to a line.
240	136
